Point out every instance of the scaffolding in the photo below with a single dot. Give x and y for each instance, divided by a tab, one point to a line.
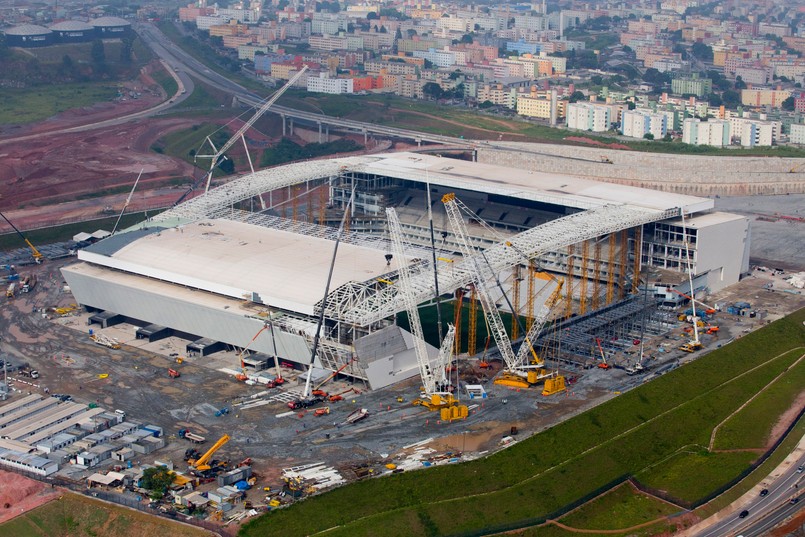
617	325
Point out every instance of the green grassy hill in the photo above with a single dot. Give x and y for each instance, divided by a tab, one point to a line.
659	431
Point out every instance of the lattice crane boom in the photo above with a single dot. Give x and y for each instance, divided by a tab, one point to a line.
482	274
426	369
537	325
246	126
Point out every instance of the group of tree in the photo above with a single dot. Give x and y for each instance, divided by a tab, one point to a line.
434	91
289	151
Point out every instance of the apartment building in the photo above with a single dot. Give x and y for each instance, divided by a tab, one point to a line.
589	117
639	123
715	132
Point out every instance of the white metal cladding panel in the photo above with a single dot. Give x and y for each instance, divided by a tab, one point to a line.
720	248
228	326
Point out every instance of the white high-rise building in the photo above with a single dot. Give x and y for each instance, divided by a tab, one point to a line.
589	117
715	132
638	123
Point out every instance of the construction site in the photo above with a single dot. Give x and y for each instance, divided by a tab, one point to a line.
328	321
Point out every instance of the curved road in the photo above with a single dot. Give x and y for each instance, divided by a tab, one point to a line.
764	512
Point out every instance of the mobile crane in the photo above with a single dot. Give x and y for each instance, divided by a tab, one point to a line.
435	384
201	464
710	310
694	344
34	252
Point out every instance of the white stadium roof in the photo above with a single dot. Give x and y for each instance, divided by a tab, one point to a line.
235	259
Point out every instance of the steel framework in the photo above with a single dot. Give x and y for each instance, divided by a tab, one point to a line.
362	304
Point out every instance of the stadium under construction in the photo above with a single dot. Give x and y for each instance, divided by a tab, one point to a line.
260	251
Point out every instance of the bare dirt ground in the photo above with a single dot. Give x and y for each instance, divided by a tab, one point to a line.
38	177
19	494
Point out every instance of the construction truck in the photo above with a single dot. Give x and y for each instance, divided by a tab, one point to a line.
690	346
28	283
172	373
195	438
12	287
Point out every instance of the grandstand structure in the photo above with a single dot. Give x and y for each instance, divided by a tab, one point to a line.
213	268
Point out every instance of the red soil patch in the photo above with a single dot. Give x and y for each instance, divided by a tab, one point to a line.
21	494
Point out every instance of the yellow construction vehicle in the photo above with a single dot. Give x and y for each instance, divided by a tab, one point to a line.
690	346
200	464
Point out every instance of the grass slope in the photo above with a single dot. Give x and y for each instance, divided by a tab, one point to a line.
750	428
635	431
28	105
618	509
77	516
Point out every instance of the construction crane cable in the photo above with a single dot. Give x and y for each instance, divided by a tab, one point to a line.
320	321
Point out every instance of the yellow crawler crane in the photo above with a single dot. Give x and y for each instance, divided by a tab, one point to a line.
436	393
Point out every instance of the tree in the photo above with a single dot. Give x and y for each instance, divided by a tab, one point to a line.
156	480
731	98
648	136
371	16
486	104
576	96
427	64
597	80
97	52
739	83
789	104
466	38
714	99
432	90
702	51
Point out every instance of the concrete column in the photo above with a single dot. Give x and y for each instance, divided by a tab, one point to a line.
283	123
365	137
319	122
291	127
326	133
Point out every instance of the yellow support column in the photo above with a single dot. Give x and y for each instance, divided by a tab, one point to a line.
529	313
624	263
515	301
569	289
585	257
459	306
638	257
597	276
472	330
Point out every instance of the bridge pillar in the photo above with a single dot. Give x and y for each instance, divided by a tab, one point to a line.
418	142
320	140
326	133
365	136
475	155
283	123
291	126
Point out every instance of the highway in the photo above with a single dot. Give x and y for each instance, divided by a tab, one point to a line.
178	58
764	512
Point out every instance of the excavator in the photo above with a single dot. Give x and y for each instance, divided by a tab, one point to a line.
201	464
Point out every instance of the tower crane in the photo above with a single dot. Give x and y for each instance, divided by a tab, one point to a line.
34	252
219	153
435	394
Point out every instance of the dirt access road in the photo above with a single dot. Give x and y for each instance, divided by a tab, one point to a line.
38	177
